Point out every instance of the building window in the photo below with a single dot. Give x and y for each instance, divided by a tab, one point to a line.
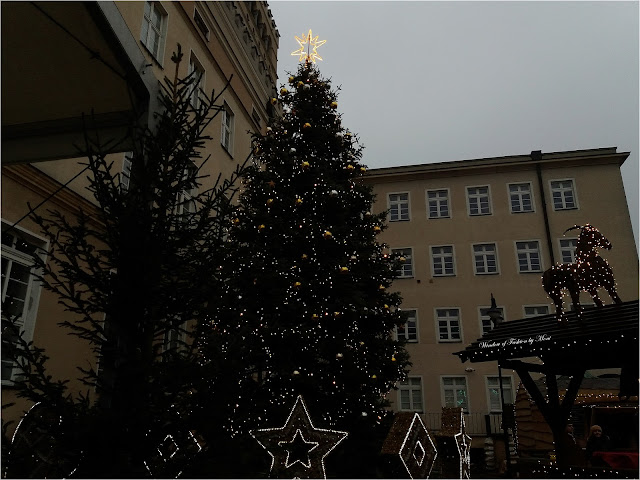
438	203
405	255
409	331
227	128
411	394
174	339
528	257
563	194
398	207
442	261
125	177
485	320
520	197
200	23
493	388
535	310
448	320
20	290
154	29
478	200
454	392
568	249
485	258
197	81
185	203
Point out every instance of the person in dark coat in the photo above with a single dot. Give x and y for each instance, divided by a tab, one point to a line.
597	442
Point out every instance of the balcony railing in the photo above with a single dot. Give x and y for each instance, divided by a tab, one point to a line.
475	423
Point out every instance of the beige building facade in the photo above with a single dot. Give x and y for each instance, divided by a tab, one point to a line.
221	40
469	229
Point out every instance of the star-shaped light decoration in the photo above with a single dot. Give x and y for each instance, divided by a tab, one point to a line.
311	44
463	441
298	448
409	439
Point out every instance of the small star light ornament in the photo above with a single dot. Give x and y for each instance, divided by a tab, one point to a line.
308	51
298	448
463	441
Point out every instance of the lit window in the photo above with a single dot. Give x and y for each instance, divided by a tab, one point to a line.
438	203
411	394
398	207
528	257
520	197
405	255
493	387
478	200
563	194
154	28
535	310
408	331
20	290
568	249
448	320
197	81
442	261
227	128
454	391
485	258
485	320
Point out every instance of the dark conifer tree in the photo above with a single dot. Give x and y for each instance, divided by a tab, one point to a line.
308	310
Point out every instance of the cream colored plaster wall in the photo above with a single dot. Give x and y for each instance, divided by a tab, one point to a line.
601	202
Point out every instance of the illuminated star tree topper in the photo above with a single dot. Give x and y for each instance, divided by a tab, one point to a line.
308	51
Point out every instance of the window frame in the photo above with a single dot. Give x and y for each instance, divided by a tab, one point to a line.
466	389
438	319
482	317
473	258
198	86
574	191
532	200
201	25
162	34
571	249
488	391
408	388
406	328
34	288
433	265
537	305
392	252
399	202
480	214
227	126
447	199
125	174
539	251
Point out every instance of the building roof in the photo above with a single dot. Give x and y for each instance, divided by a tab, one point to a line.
568	158
605	337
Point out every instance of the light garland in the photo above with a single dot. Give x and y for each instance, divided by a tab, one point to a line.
294	436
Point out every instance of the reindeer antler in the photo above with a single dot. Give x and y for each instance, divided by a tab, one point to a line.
572	228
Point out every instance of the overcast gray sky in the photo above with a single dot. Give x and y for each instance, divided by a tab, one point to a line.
429	82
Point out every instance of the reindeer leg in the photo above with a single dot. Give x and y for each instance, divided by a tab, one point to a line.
575	298
557	300
611	289
596	298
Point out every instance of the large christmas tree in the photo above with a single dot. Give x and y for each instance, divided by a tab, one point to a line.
308	311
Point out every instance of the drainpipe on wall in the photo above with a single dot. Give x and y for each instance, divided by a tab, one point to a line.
536	156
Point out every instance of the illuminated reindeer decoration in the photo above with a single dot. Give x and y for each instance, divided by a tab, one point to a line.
589	273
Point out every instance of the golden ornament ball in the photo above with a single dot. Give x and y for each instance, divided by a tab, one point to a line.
283	91
274	101
334	105
269	202
306	125
291	79
376	228
298	201
350	167
261	227
327	234
305	164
